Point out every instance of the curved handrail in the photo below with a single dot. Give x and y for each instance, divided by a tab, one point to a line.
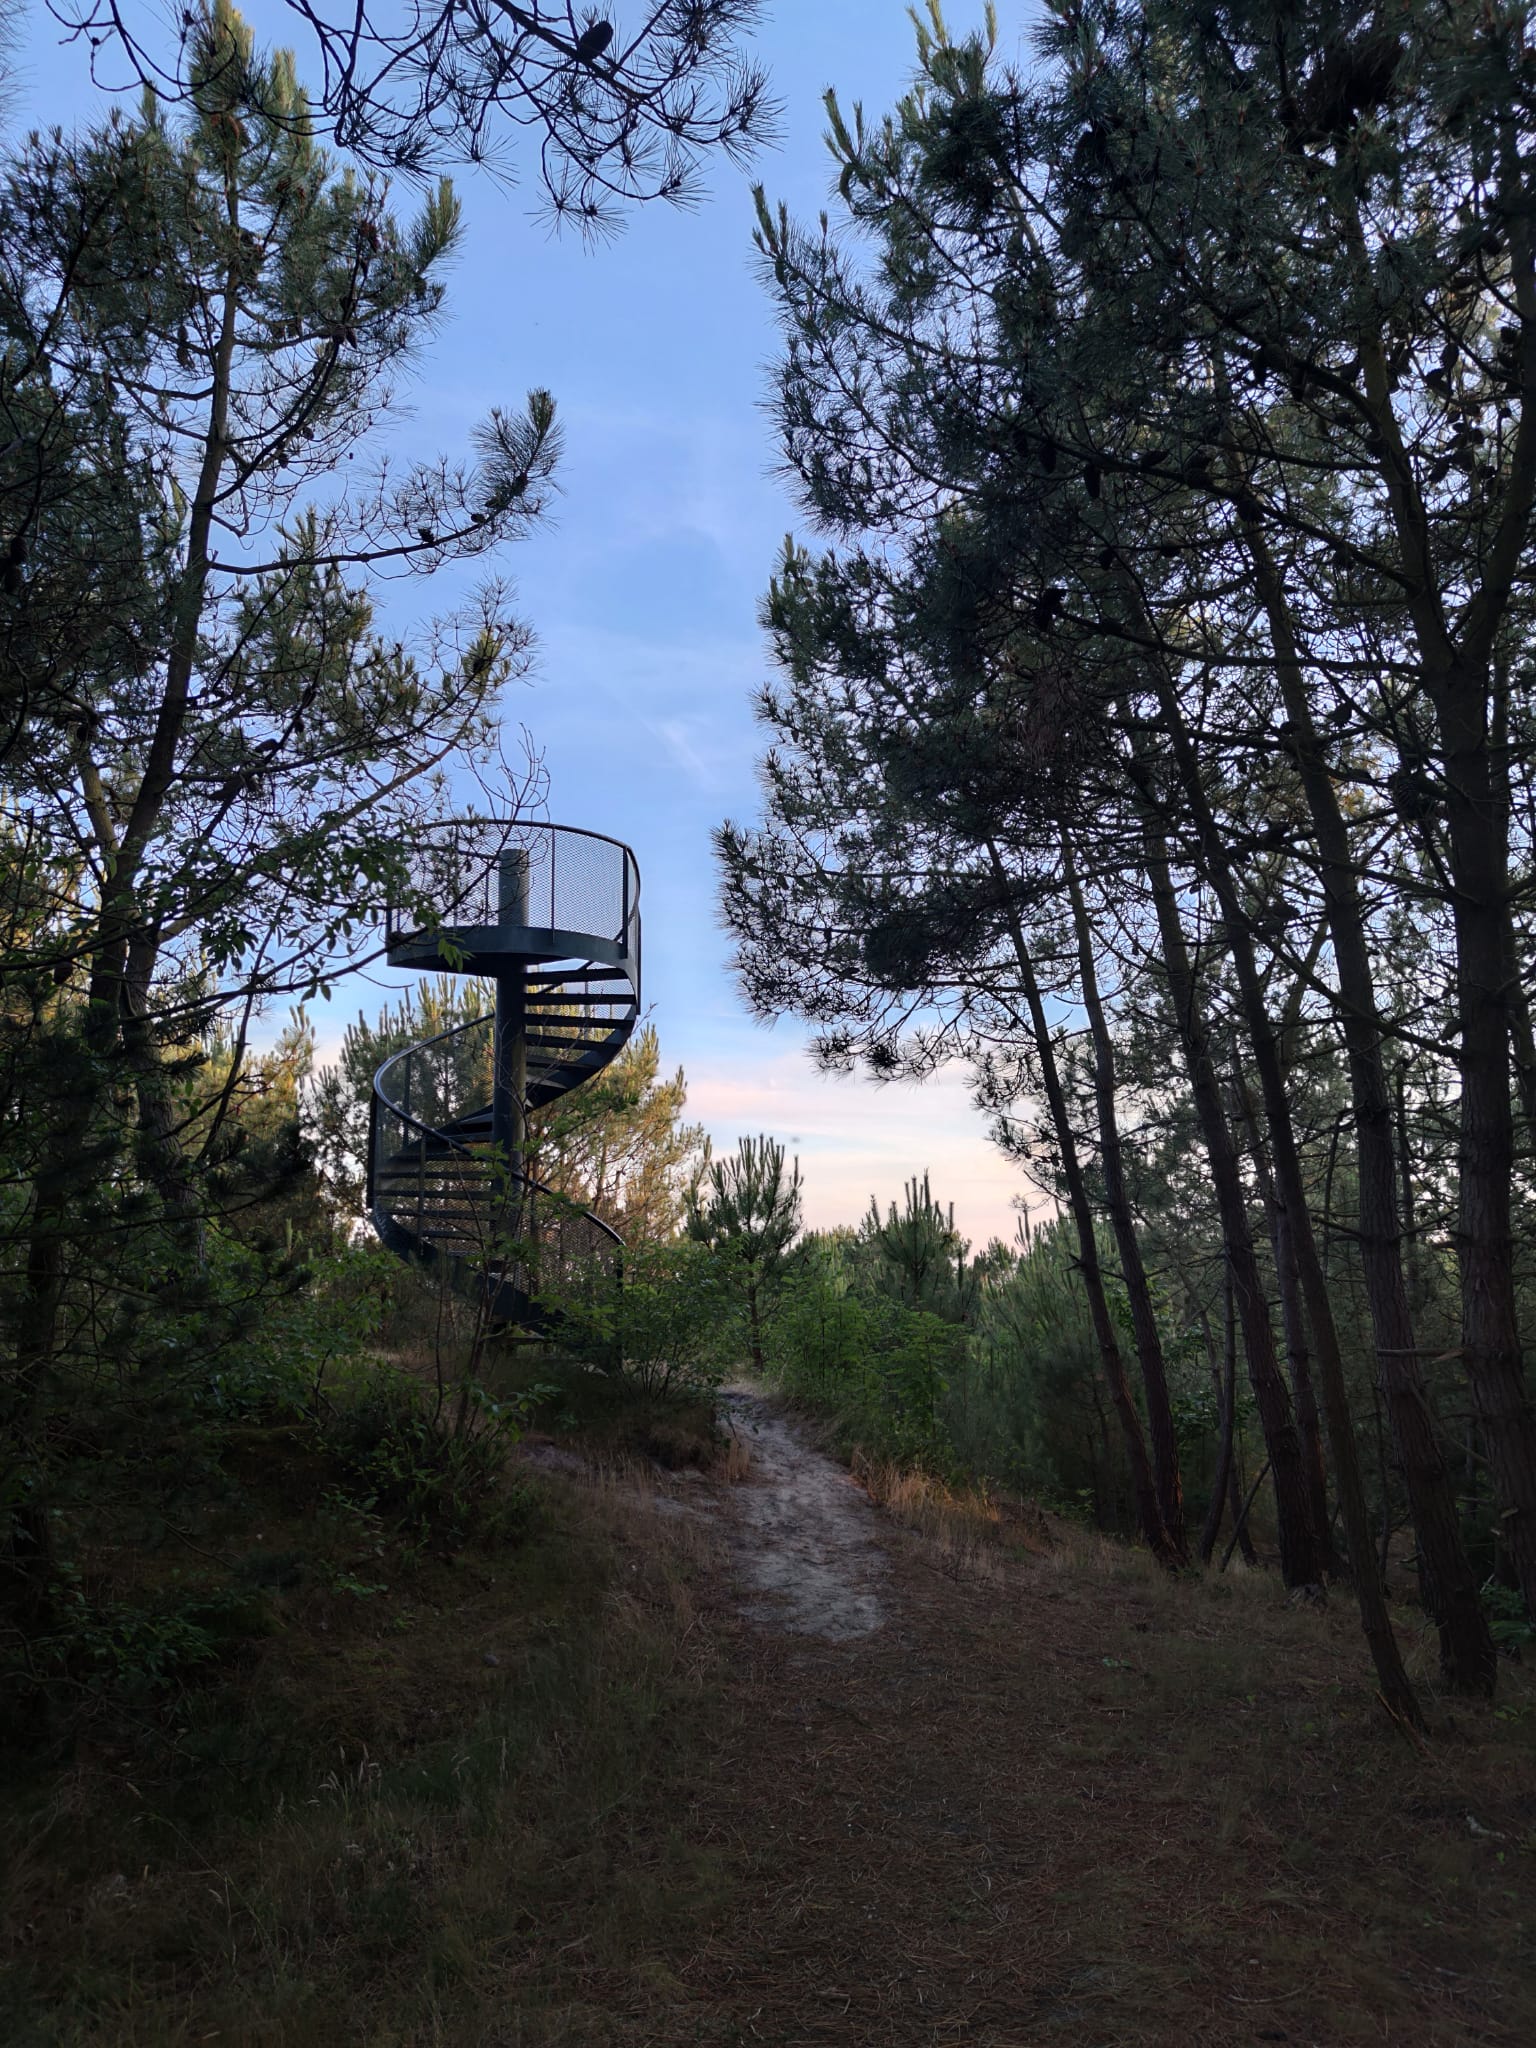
485	858
446	1138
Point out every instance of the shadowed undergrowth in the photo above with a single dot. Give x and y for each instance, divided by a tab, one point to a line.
416	1800
552	1789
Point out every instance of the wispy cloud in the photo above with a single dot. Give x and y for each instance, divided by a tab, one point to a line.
675	733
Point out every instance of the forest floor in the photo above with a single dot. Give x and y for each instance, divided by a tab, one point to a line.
978	1786
743	1749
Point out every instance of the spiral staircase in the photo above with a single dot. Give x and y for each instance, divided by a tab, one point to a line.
550	915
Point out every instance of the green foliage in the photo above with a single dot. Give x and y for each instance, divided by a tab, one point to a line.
822	1336
215	751
857	1350
217	760
223	1397
920	1254
996	1376
747	1210
883	1370
128	1655
1509	1621
916	1358
430	1471
667	1329
749	1201
1036	1413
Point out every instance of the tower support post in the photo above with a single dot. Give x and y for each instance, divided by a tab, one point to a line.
509	1091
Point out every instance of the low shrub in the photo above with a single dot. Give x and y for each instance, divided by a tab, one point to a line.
432	1470
881	1369
667	1329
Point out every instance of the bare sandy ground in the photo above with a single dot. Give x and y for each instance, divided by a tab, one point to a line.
804	1539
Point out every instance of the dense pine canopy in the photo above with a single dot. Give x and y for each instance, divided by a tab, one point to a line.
1171	405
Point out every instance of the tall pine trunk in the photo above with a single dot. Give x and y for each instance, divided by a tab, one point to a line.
1149	1514
1485	976
1300	1554
1293	1319
1290	1189
1149	1343
1467	1656
1224	1375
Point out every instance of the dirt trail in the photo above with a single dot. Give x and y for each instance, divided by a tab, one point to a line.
805	1540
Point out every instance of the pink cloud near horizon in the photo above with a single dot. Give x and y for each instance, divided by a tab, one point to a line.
858	1138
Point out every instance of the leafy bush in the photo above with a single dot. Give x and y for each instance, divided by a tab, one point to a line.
882	1368
1508	1622
667	1328
822	1339
985	1366
431	1470
131	1654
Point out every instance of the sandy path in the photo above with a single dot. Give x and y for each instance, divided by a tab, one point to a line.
805	1541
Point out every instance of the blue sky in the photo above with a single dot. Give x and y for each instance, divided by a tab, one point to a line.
644	591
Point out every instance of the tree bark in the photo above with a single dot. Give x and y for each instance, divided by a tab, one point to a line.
1485	975
1292	1322
1458	677
1224	1374
1149	1343
1148	1511
1290	1191
164	1159
1467	1655
1300	1555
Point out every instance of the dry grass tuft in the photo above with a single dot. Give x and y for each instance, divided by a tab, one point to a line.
971	1532
735	1461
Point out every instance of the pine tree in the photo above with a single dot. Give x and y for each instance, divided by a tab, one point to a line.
747	1208
215	752
1184	403
616	119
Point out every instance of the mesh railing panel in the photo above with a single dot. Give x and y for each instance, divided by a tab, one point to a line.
490	871
446	1078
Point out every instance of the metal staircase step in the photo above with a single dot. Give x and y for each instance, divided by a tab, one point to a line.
437	1192
572	975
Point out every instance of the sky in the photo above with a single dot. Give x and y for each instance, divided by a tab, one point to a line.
644	590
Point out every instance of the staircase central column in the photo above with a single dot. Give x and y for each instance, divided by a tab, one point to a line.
509	1096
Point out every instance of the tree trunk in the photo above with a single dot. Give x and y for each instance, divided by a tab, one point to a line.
119	920
1485	974
1467	1655
1241	1510
1292	1322
1290	1191
1523	1039
1300	1554
1225	1376
1149	1343
74	1154
1148	1511
164	1159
